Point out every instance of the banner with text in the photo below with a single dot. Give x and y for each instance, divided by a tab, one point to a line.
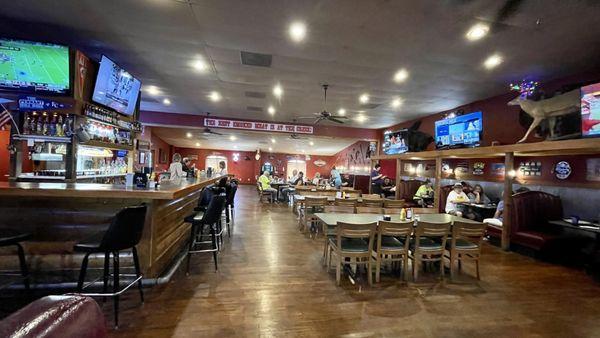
259	126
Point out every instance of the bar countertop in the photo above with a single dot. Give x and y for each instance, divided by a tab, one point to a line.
167	190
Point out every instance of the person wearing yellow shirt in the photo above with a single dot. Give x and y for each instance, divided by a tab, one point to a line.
265	184
424	194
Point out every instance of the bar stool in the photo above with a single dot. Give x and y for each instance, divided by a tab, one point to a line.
230	205
124	233
10	237
207	219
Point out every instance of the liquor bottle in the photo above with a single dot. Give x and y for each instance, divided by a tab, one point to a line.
45	126
409	213
26	125
52	127
59	127
39	125
66	127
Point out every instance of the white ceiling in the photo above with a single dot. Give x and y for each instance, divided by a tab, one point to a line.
354	45
252	140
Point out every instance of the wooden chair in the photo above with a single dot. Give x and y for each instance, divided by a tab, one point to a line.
393	239
346	201
262	194
329	232
312	205
372	196
353	244
392	211
368	210
387	203
428	245
340	209
372	202
417	211
465	244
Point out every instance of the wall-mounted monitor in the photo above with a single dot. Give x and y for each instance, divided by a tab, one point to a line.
590	110
459	131
115	88
34	67
395	142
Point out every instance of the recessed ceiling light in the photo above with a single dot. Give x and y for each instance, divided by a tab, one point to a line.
311	143
270	149
273	140
297	31
166	102
361	118
152	90
493	61
235	147
477	31
277	91
271	110
342	111
397	102
188	135
215	96
401	75
199	64
197	144
364	98
232	138
303	150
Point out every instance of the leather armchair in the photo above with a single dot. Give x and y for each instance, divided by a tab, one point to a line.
56	316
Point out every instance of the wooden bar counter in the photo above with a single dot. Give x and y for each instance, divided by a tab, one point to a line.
61	214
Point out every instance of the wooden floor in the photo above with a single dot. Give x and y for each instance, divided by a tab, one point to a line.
271	283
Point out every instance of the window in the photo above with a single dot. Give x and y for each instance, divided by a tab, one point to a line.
299	165
212	161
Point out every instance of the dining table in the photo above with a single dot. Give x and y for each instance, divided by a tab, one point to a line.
331	218
581	225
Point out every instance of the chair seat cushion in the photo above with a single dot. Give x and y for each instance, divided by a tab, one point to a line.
461	243
90	244
11	237
391	243
196	217
351	244
426	243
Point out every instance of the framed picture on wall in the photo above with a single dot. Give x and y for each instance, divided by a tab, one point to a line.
162	156
593	169
142	159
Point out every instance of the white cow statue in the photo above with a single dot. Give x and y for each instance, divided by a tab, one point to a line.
558	105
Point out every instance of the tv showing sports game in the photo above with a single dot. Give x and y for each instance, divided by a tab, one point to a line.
395	142
590	110
459	131
33	67
116	88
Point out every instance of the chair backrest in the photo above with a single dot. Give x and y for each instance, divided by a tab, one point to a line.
231	191
432	230
259	187
396	229
372	196
470	231
418	211
407	189
312	201
392	211
533	209
387	203
372	202
340	209
368	210
125	230
346	201
205	196
215	209
362	231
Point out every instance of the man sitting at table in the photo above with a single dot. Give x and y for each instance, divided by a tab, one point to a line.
285	192
499	214
456	197
386	188
424	195
265	184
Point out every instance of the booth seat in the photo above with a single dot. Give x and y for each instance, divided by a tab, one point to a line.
445	190
407	190
530	215
56	316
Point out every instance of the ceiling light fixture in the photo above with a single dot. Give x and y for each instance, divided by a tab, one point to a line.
401	75
270	149
297	31
477	31
311	143
342	111
397	102
364	98
188	135
166	102
493	61
199	64
197	144
215	96
271	110
152	90
232	138
273	140
361	118
277	91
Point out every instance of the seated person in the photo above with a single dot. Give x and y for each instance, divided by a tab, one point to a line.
424	195
376	179
498	215
285	192
317	179
456	197
386	188
477	196
265	183
347	181
294	177
188	167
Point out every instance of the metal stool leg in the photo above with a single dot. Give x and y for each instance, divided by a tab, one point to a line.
215	245
116	286
106	273
82	272
191	247
136	262
23	263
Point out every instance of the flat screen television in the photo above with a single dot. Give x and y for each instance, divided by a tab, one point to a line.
395	142
32	67
115	88
590	110
459	131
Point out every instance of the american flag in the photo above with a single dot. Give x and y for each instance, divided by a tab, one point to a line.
4	117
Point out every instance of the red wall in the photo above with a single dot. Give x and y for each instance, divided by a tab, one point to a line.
157	144
4	155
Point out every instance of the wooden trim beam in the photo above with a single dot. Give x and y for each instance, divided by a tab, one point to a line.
398	177
509	161
438	183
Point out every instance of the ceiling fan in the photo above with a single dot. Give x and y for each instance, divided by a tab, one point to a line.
207	131
325	115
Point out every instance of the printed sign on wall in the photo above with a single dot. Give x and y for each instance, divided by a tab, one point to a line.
593	169
264	126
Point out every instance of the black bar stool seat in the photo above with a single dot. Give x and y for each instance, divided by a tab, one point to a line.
9	237
91	244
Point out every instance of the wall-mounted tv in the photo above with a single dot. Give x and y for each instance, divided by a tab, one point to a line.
590	110
459	131
395	142
115	88
33	67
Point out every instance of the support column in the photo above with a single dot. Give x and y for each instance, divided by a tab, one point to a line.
438	182
370	170
509	161
398	177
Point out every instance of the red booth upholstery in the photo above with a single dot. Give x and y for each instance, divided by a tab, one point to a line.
56	316
407	190
530	215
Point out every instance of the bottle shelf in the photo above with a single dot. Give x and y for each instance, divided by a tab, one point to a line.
42	138
107	145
